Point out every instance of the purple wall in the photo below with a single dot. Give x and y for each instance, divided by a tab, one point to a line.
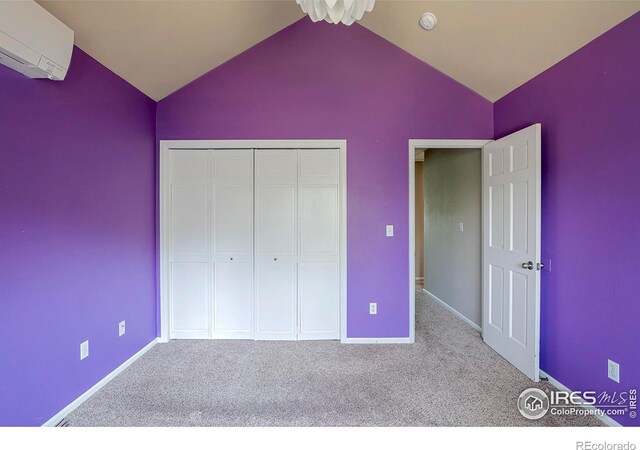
77	239
589	107
78	195
320	81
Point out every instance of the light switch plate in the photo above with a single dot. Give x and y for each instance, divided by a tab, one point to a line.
389	230
84	349
613	370
373	308
122	328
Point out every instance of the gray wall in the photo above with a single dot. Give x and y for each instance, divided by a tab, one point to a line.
452	258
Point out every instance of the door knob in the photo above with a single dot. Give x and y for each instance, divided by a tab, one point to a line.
528	265
231	259
275	259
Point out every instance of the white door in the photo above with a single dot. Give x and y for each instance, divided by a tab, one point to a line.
189	237
511	248
318	244
232	230
275	244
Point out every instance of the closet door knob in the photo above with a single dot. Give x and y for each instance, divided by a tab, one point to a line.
275	259
231	259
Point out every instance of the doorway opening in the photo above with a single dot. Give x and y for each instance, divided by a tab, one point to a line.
435	151
508	314
448	232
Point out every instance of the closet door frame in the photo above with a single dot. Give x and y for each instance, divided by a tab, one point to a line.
164	224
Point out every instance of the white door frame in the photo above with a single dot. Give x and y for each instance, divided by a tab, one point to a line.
166	145
414	145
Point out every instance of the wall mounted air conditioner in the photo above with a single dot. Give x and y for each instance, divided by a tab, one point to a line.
34	42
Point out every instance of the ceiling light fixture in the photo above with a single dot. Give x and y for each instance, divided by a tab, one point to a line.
336	11
428	21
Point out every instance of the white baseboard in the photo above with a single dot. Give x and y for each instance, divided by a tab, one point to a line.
603	418
454	311
96	387
401	340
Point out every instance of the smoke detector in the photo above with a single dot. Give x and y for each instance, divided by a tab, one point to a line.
428	21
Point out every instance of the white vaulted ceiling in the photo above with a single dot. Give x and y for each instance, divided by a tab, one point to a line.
493	47
159	46
490	46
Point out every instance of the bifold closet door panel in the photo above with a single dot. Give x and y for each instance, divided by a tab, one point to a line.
319	244
275	301
189	239
232	228
318	295
275	244
190	298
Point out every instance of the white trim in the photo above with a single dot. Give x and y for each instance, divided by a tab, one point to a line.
412	243
166	145
400	340
454	311
425	144
96	387
164	257
414	146
603	418
254	144
343	240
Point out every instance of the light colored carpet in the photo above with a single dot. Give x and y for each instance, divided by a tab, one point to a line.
449	377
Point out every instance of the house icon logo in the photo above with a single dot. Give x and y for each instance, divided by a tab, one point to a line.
533	403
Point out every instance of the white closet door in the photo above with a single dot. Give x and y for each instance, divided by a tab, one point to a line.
318	244
232	228
189	238
275	244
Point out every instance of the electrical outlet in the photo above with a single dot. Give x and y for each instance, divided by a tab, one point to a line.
84	349
122	328
389	230
614	370
461	226
373	308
